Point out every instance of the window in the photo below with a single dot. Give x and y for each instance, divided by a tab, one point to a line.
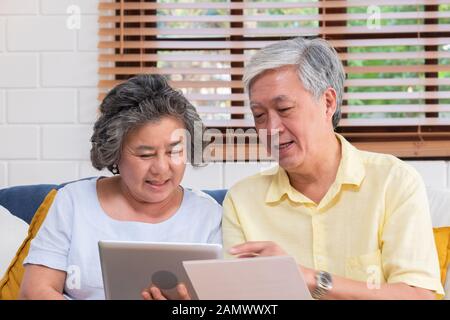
396	54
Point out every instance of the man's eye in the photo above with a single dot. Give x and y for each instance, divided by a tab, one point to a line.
258	115
145	156
284	109
176	150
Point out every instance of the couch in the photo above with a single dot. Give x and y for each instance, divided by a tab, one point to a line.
23	201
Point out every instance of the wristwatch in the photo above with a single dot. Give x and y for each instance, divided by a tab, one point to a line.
324	283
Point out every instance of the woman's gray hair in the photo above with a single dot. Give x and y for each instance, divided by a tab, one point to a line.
317	62
133	103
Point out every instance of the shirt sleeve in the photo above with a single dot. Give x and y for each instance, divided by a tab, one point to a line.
408	249
51	245
215	235
231	227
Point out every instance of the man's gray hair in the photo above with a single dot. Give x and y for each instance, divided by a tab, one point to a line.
317	63
133	103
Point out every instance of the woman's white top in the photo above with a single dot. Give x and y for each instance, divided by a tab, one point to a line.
68	238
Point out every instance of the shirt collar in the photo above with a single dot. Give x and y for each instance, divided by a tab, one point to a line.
351	171
280	186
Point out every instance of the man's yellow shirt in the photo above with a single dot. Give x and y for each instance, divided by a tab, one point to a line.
373	225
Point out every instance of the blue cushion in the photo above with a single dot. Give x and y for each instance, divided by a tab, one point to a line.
23	201
218	195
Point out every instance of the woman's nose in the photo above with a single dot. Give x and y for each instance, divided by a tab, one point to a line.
160	165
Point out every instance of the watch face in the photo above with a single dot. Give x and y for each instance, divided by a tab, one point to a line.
324	283
325	279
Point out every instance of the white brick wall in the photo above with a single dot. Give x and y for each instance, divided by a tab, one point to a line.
3	175
2	106
19	142
48	99
22	7
18	70
2	34
48	34
87	35
29	172
87	105
42	106
448	174
434	175
78	69
60	7
86	170
66	142
48	95
207	177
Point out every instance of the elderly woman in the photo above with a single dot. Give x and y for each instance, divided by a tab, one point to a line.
143	136
358	223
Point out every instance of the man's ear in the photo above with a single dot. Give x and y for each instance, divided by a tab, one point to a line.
330	102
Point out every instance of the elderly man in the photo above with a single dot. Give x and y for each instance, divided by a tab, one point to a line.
357	223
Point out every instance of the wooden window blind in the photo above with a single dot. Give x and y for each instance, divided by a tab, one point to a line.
396	54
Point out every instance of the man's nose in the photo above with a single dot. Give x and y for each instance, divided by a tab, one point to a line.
274	125
269	133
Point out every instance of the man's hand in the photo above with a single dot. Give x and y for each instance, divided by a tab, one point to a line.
252	249
154	293
257	249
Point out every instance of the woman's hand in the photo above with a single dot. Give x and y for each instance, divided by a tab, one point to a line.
154	293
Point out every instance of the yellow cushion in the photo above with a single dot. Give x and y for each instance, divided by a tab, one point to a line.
10	283
442	239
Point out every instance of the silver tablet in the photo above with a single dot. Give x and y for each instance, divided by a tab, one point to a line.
129	267
261	278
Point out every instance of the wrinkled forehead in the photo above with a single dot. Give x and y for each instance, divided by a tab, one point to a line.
280	81
166	132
